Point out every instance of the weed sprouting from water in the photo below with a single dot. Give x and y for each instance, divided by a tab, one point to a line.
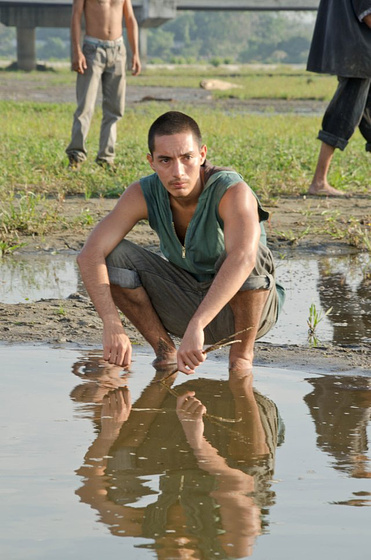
8	247
315	317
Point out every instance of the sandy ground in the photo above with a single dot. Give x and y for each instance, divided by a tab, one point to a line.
75	322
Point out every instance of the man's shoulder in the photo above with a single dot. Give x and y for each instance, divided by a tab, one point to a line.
152	188
149	180
211	171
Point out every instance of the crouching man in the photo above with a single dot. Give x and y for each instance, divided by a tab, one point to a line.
217	277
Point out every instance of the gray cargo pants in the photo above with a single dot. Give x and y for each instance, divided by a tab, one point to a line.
175	294
106	62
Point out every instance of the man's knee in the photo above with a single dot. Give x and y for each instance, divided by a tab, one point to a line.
262	276
120	267
121	254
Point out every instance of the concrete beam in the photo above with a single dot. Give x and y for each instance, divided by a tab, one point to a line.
153	13
248	5
27	15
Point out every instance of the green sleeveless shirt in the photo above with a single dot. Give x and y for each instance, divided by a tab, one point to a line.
204	239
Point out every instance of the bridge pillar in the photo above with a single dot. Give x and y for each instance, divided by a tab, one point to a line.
143	35
26	48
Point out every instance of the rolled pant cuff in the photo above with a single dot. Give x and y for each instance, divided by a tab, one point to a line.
79	157
124	277
332	140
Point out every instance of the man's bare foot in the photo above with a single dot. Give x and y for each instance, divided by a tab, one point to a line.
324	189
166	354
163	362
240	367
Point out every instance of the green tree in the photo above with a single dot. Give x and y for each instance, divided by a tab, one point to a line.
54	47
7	42
238	36
160	43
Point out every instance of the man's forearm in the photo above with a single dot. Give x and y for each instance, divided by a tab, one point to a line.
132	31
76	30
228	281
96	281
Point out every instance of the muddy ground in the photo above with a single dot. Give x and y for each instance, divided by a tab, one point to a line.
75	322
45	90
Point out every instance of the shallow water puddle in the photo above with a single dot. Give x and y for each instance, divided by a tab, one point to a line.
96	462
339	282
33	277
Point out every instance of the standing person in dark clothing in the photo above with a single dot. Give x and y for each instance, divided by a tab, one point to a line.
341	46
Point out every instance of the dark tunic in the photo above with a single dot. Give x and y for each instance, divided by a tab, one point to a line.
341	43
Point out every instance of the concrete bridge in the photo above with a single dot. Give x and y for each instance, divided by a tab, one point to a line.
27	15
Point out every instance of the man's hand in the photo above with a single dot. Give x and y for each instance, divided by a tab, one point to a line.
189	408
367	20
136	65
116	346
79	64
190	412
116	408
190	352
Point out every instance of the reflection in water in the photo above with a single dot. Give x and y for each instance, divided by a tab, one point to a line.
341	410
33	277
349	295
189	468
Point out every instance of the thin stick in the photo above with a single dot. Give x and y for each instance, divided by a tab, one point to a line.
225	341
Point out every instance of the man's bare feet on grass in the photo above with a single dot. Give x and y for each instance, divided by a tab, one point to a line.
324	189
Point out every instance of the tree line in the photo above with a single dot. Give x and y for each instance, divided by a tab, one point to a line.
216	37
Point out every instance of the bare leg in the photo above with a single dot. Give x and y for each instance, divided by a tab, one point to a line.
137	307
320	185
247	308
254	443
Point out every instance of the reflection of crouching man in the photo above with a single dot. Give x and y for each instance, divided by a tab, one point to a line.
219	276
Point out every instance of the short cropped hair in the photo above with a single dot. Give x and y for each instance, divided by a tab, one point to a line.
173	122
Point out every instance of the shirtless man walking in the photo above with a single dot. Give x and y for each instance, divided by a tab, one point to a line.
102	59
